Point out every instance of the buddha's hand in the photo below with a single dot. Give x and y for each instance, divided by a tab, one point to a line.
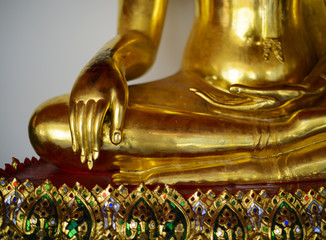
298	94
100	87
269	97
311	87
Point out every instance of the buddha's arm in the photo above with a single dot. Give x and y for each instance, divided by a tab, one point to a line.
315	16
314	12
101	86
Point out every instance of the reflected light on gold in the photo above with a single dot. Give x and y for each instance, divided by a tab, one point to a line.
243	22
55	130
232	75
252	75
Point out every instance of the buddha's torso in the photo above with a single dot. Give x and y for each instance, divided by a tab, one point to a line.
250	42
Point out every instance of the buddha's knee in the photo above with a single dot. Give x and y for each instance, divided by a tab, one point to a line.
50	136
49	127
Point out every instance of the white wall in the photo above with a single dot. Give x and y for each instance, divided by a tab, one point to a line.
44	45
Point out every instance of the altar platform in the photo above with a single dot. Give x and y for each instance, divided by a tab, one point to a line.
41	201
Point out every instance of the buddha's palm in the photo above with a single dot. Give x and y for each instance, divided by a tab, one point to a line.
272	100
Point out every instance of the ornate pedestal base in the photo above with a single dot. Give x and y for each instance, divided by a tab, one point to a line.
44	202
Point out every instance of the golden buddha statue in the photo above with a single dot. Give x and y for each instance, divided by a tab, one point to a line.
248	104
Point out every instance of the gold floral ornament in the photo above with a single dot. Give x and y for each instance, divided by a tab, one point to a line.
200	203
226	219
41	212
2	211
255	205
137	218
176	218
314	203
84	215
110	201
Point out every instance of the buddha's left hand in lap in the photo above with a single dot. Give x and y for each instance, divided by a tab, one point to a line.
312	87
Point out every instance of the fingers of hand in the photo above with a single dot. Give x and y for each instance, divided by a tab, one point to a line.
272	96
93	117
73	127
90	117
85	122
81	129
245	90
98	119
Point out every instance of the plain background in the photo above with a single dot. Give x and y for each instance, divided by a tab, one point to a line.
44	45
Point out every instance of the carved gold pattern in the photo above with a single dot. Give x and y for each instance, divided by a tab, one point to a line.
45	212
273	46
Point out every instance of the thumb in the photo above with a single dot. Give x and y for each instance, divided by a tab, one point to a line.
117	118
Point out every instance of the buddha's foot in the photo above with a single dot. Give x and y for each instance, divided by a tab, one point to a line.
240	168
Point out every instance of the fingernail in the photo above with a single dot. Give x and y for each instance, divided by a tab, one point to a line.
117	137
90	164
82	158
74	147
95	155
235	89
